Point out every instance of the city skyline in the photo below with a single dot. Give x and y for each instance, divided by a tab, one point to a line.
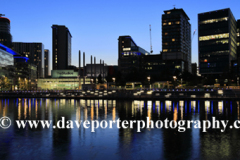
100	24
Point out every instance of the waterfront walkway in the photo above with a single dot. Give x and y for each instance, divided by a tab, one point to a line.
129	94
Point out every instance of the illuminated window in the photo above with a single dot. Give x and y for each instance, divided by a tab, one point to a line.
216	36
205	60
164	24
55	61
122	46
173	39
178	22
169	23
214	20
165	50
238	44
238	34
165	43
122	41
166	33
168	12
177	67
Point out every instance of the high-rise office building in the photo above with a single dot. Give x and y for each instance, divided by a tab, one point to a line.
217	44
238	38
238	48
61	47
176	39
34	51
5	35
46	62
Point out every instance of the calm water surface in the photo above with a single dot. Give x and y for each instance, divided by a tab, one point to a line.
81	143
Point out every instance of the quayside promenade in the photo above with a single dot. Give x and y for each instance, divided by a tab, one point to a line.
140	94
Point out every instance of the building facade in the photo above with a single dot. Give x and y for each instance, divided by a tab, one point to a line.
46	63
176	39
217	42
5	35
33	51
63	80
101	69
130	56
61	47
16	71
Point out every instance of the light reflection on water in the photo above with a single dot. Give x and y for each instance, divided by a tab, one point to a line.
117	143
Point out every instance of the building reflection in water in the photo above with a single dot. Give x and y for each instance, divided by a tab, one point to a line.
129	143
193	106
105	109
220	107
157	104
181	104
78	113
175	114
168	106
92	109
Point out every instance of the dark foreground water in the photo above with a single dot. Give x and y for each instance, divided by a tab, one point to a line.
81	143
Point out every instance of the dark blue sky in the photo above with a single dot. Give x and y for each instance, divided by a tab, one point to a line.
95	25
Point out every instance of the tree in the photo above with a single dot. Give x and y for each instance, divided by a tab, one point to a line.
5	83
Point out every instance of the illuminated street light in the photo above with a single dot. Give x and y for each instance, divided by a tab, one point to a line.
149	78
113	79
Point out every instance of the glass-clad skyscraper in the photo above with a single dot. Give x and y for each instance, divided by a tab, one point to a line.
217	44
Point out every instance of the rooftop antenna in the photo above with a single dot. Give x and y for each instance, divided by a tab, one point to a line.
174	6
151	51
2	15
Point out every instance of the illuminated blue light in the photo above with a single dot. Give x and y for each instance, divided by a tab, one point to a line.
8	50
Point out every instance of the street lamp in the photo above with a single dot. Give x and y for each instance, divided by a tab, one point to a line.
25	83
30	84
114	81
174	77
36	83
237	81
149	78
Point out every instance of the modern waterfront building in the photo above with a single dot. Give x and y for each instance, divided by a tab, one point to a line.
61	47
130	56
5	35
20	73
133	61
33	51
176	39
46	62
62	80
217	42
